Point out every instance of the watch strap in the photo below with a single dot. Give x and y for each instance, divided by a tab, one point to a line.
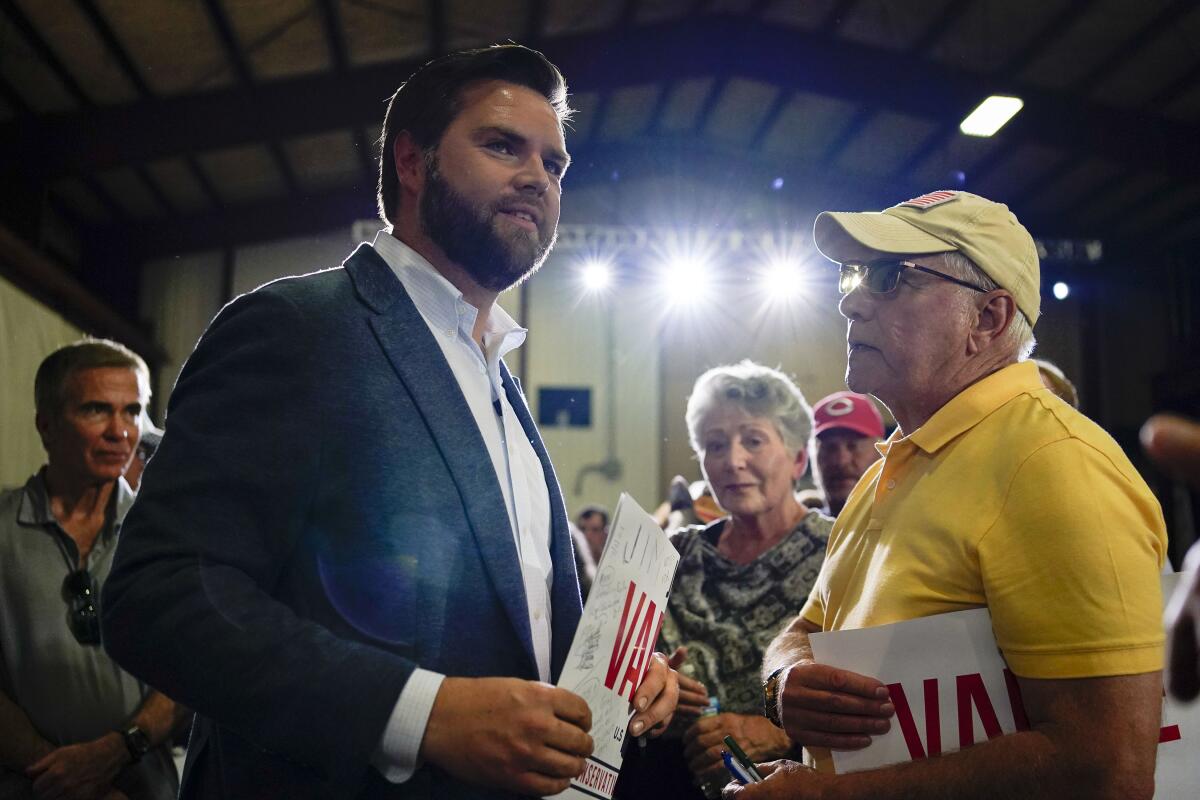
136	742
771	696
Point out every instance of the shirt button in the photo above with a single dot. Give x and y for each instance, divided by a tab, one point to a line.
891	484
537	614
450	332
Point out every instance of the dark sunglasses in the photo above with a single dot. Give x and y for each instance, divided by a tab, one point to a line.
883	275
79	590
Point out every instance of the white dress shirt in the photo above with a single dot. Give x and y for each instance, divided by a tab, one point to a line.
451	320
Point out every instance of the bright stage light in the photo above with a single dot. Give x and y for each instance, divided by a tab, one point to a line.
1061	290
782	280
597	275
685	280
991	115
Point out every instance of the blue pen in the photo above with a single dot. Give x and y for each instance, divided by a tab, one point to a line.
735	769
738	763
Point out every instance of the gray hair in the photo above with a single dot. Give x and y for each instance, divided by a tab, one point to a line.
50	383
761	391
1018	338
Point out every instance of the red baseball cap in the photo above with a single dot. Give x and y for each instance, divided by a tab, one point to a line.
848	410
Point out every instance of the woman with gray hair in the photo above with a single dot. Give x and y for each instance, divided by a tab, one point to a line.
740	580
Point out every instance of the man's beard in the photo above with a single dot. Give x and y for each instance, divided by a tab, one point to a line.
467	234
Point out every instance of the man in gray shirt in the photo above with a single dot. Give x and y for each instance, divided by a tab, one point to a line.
72	723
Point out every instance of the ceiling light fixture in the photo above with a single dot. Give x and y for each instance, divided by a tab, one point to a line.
991	115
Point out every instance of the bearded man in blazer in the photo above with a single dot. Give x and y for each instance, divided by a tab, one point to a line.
350	553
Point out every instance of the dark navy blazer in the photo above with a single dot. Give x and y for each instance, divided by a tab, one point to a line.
321	518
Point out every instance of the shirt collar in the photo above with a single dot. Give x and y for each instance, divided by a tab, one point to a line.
35	507
970	406
441	303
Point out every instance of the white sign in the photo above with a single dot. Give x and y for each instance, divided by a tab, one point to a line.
951	689
615	639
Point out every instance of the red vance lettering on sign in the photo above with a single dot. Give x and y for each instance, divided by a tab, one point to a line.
972	697
644	623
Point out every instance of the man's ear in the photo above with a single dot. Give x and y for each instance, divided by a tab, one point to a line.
43	424
410	163
997	310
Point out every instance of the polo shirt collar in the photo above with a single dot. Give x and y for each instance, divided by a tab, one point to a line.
970	406
35	510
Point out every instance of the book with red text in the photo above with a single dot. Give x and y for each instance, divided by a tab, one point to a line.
615	638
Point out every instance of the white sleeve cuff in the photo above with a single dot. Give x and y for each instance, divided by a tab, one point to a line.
396	758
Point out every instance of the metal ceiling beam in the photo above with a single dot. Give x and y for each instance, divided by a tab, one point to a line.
793	60
13	98
117	50
45	52
593	166
241	70
1131	48
331	24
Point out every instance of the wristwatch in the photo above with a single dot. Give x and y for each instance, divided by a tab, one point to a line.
771	696
136	741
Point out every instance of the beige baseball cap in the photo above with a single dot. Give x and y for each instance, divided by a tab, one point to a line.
984	231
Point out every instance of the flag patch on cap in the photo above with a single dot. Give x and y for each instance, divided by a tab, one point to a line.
931	199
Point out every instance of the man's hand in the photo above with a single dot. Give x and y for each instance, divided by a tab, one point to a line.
821	706
782	780
522	736
703	743
79	771
656	698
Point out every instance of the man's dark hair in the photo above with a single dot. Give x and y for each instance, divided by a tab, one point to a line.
428	102
50	383
588	511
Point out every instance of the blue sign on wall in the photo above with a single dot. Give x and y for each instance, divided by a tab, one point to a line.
565	406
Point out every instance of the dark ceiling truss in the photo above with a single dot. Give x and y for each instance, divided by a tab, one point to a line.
160	197
1062	169
653	122
1053	30
203	181
72	86
12	98
596	164
778	105
709	105
849	132
110	203
335	40
115	48
45	52
793	60
1106	68
245	78
1164	21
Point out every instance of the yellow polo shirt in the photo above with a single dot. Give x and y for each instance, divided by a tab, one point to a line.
1006	498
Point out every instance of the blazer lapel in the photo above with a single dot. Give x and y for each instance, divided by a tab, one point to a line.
418	361
565	608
